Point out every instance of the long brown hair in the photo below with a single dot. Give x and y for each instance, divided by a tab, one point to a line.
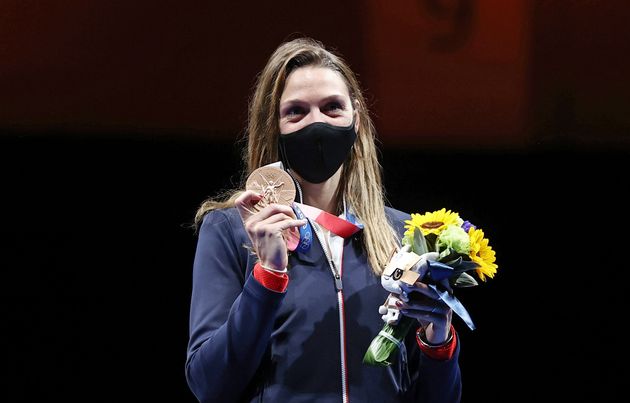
361	183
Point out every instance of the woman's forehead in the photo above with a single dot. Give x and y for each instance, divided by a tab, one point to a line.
310	80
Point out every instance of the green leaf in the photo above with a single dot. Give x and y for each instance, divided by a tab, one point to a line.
455	262
419	243
445	255
382	351
465	265
431	239
465	280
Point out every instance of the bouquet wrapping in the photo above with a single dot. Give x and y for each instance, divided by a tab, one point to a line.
445	252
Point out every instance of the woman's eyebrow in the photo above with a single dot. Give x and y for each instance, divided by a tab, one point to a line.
333	97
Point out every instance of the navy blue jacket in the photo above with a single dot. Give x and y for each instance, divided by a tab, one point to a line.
250	344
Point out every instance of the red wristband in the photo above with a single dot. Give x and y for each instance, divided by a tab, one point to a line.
442	352
271	280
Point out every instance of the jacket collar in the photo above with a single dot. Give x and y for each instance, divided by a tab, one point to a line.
346	226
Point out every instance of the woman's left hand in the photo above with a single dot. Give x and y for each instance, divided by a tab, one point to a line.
426	306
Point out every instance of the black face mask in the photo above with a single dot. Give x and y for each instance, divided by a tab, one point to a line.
316	151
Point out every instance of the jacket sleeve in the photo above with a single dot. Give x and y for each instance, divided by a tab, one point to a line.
420	378
440	380
231	317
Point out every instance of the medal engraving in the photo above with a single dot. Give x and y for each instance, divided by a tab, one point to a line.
274	184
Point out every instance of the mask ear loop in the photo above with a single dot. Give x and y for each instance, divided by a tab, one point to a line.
287	168
297	185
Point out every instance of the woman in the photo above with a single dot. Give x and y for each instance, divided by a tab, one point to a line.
261	333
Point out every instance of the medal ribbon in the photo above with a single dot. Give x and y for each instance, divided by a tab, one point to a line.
336	225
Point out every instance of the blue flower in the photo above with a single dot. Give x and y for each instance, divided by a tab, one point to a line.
467	225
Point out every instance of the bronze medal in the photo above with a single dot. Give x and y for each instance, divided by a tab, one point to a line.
274	184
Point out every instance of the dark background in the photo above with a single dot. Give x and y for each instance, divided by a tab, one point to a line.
117	120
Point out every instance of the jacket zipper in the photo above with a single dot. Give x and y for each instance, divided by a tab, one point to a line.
342	327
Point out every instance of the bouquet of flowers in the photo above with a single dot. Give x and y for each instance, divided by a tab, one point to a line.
440	249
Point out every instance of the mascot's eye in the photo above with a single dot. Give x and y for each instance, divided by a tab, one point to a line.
397	274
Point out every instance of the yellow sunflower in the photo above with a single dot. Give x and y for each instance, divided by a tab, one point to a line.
431	222
482	254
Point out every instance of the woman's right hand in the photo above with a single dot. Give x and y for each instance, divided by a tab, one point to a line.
265	228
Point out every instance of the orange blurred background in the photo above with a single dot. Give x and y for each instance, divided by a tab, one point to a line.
456	73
